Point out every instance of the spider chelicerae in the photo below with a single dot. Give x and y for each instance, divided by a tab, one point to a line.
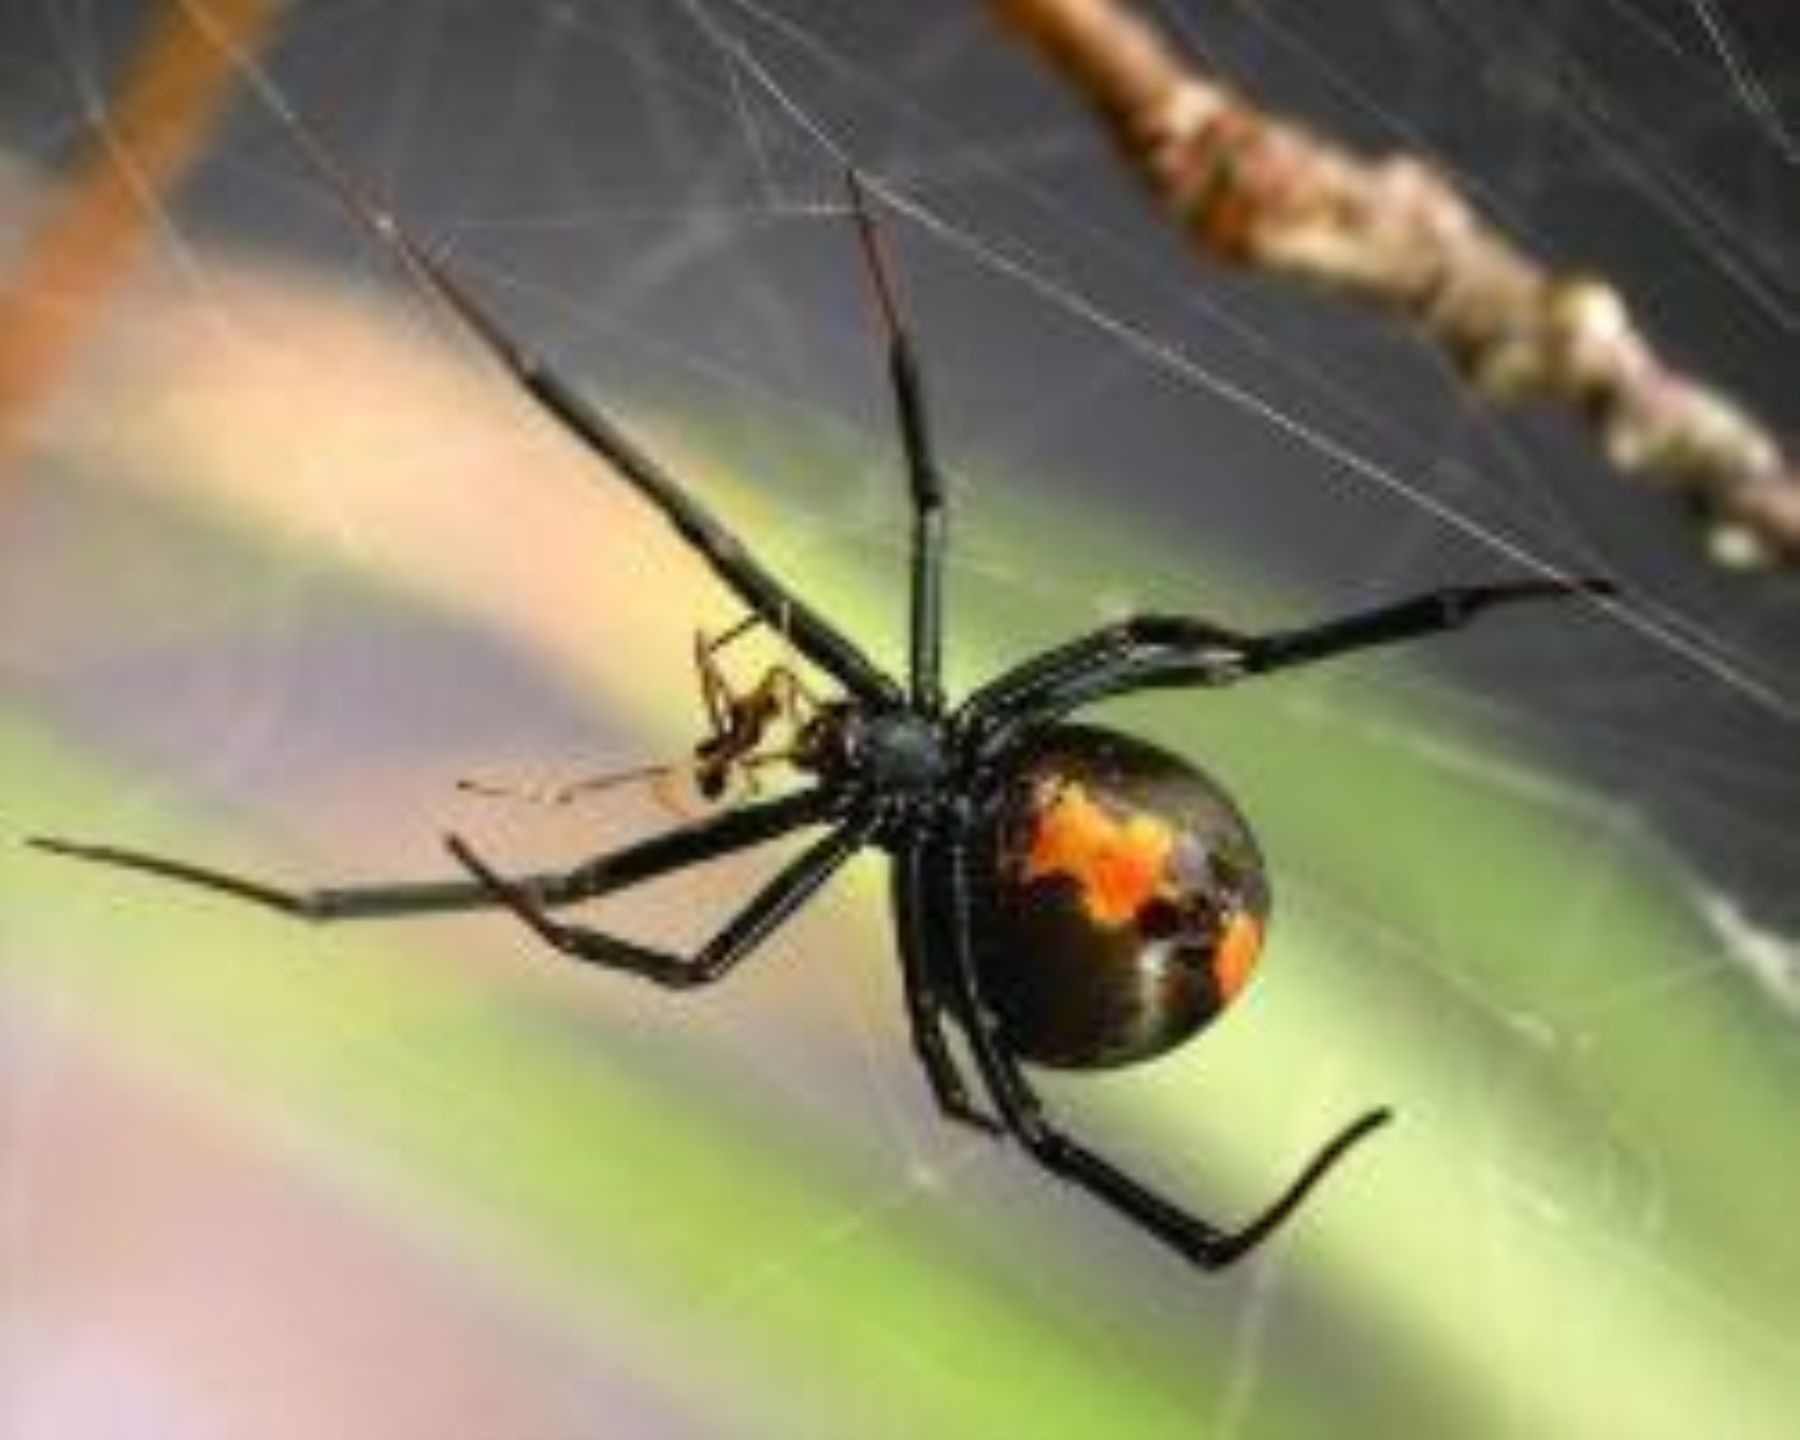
1064	895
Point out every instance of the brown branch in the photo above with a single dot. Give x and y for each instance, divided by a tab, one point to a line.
1253	189
175	86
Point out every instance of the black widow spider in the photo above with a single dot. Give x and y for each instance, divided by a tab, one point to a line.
1065	895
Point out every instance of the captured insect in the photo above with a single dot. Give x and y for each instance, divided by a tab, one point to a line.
1063	894
728	760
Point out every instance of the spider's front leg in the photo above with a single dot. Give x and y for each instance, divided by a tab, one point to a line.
795	884
1200	1241
694	844
925	481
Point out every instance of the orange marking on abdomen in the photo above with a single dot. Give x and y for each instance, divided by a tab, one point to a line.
1236	956
1118	865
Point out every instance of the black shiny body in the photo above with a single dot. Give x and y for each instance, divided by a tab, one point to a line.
1077	982
1062	894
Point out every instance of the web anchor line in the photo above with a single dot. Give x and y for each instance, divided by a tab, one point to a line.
1683	640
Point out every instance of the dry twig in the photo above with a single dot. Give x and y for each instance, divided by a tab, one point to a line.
1260	191
142	143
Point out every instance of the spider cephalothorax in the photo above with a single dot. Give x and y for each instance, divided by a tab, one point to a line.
1062	894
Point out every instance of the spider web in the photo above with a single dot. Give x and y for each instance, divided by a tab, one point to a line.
651	194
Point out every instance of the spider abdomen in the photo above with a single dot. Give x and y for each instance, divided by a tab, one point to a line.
1120	899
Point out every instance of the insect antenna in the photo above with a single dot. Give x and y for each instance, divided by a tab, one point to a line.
561	795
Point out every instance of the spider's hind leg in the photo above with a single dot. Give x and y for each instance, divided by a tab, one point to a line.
1022	1113
924	1006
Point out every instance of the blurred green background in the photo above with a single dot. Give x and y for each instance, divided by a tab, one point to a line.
280	559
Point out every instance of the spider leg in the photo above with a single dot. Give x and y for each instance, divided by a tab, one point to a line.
1134	636
675	850
349	902
1447	609
924	1007
1200	1241
925	480
816	637
781	897
1149	652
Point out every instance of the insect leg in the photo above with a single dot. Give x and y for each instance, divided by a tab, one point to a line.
568	792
